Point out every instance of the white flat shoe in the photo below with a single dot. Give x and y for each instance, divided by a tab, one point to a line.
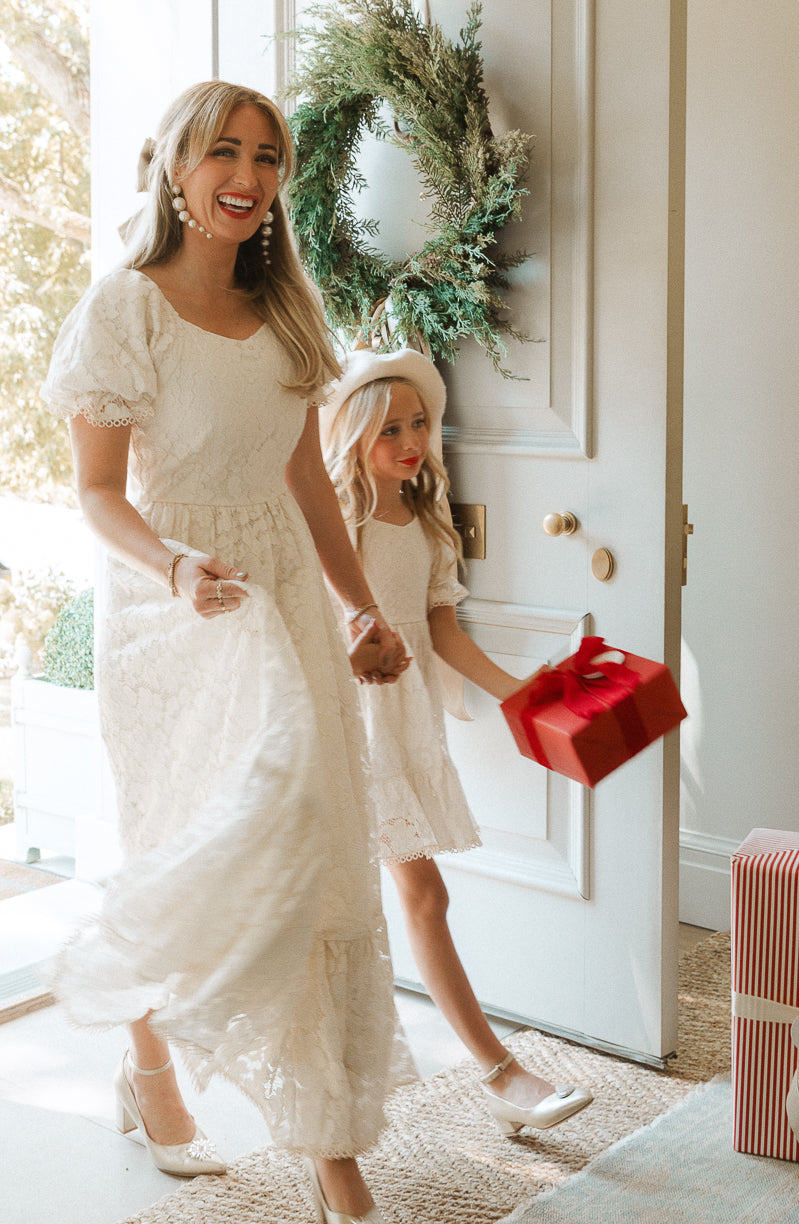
323	1212
561	1104
190	1159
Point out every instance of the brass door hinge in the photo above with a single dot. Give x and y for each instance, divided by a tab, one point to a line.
687	529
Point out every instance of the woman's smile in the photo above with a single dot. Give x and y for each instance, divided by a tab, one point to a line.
234	205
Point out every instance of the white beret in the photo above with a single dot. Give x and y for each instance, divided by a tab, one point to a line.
365	366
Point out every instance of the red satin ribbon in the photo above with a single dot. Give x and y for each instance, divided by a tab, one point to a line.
586	687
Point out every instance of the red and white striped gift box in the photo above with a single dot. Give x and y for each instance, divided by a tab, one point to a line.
765	990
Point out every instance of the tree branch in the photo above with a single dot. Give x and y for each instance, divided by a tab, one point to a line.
53	74
72	226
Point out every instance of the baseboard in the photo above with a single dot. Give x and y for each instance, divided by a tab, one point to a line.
705	879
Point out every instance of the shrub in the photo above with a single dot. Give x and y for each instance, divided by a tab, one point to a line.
69	646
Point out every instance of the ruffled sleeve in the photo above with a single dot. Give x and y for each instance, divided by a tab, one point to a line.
444	588
102	361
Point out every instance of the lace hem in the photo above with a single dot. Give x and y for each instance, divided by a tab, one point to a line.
422	814
239	930
429	854
441	602
315	1096
93	407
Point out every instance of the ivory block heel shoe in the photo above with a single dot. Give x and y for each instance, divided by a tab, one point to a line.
563	1103
190	1159
323	1213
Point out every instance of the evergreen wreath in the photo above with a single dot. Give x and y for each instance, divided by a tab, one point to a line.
359	54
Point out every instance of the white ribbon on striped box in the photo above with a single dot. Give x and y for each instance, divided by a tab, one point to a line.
792	1099
765	938
750	1007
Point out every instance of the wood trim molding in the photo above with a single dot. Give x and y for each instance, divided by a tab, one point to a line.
707	850
705	879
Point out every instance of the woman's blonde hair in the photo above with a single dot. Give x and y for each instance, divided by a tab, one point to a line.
353	432
280	292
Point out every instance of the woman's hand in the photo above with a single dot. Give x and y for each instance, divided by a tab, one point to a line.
364	651
387	659
209	585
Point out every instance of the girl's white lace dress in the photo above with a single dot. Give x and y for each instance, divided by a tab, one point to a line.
247	916
420	805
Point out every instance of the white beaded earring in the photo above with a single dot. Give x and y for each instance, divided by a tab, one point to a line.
179	205
266	232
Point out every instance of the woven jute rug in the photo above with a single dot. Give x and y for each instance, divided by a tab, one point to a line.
16	878
442	1161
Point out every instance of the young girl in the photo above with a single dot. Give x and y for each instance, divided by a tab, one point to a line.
382	441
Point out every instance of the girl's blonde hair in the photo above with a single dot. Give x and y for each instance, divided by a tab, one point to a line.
353	432
280	292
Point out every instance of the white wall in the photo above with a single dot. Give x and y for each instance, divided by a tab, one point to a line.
741	663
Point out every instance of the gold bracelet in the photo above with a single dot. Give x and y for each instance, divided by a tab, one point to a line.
170	573
354	616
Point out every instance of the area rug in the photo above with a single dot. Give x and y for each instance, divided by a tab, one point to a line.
16	878
442	1161
680	1170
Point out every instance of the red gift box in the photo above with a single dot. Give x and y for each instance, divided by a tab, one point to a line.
765	991
593	712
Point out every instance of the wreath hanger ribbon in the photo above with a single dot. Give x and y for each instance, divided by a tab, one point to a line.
382	333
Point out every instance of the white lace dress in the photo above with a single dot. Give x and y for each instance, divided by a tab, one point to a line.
420	805
248	914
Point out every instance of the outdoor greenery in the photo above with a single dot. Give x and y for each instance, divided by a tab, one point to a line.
44	226
357	55
69	646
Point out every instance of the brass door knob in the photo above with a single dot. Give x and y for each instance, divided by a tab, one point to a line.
564	523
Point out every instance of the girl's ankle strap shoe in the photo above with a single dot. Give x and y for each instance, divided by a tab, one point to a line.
561	1104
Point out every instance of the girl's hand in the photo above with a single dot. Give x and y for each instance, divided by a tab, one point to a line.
516	685
209	585
364	652
391	660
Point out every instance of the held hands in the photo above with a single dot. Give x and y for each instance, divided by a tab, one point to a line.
377	653
210	586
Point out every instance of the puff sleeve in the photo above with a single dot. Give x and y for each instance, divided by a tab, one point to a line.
444	587
102	361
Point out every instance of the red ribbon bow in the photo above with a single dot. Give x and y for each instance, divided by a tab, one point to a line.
585	682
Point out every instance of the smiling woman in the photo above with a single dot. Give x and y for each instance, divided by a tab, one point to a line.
248	895
238	177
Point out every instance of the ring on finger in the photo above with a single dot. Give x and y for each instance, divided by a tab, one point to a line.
219	595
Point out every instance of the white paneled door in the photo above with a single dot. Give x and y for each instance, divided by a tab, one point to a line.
567	915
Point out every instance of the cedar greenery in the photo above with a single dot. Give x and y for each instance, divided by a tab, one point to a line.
359	54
